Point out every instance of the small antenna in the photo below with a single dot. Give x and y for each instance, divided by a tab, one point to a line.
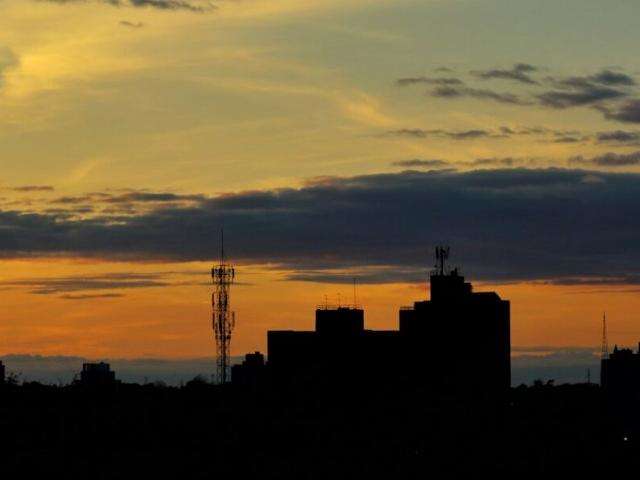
588	376
604	354
442	255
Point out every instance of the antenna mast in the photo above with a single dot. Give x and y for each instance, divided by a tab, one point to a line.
604	354
442	255
223	320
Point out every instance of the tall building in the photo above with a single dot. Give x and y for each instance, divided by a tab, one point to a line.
620	372
97	374
339	350
457	340
2	373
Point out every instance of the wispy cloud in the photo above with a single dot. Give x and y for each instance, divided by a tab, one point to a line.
419	162
191	6
479	93
603	90
129	24
609	159
450	134
520	72
618	136
112	281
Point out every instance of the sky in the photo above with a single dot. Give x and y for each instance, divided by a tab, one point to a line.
333	140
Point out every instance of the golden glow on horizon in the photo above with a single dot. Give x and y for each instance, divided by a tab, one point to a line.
173	320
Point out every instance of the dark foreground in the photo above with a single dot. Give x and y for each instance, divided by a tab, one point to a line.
203	431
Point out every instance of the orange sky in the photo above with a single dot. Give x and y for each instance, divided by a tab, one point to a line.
174	320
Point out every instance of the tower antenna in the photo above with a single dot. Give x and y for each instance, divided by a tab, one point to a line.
604	354
223	320
442	255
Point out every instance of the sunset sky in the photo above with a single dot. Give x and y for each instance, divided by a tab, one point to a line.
333	140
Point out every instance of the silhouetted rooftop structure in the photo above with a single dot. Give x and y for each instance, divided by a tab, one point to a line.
620	372
458	339
97	374
476	323
2	373
251	372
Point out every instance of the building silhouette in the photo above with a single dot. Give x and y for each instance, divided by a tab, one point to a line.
458	337
2	373
251	372
620	371
97	374
457	340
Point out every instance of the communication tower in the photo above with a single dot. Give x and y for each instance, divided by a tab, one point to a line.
223	320
604	354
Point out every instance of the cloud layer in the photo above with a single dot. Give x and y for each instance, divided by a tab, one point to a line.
502	225
613	93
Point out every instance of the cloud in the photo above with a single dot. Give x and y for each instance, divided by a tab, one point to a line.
368	275
32	188
478	93
585	95
568	139
608	77
453	135
618	136
503	225
603	91
429	81
628	112
575	91
127	23
600	281
609	159
91	296
500	162
112	281
418	162
191	6
520	72
126	203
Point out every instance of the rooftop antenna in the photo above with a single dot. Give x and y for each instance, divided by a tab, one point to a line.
442	255
604	354
223	320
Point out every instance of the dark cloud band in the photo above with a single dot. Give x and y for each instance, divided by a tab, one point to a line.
502	224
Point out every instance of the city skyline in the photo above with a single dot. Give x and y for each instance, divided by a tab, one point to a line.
333	141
